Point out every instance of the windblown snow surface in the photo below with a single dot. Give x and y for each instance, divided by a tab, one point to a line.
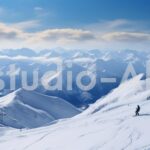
108	124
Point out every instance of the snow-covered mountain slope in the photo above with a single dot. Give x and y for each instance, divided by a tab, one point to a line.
29	109
108	124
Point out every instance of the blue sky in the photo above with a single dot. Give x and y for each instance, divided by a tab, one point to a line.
66	13
74	23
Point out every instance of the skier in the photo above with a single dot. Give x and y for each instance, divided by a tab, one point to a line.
137	110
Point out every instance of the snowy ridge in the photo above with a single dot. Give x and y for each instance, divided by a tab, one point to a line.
108	124
29	109
126	93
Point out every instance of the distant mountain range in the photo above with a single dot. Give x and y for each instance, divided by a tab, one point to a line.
102	63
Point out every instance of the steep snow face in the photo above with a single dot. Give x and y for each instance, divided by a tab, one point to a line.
127	93
26	109
108	124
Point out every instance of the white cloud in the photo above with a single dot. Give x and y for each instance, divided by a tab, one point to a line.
41	12
13	37
66	34
30	59
69	37
25	25
119	25
10	33
37	8
126	36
